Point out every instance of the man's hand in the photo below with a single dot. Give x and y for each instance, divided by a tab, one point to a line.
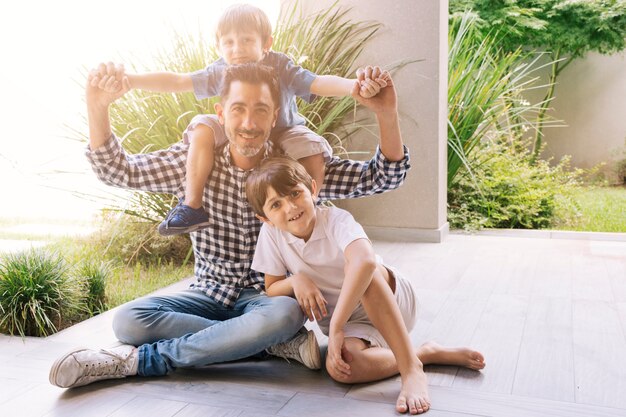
385	101
310	298
371	81
106	84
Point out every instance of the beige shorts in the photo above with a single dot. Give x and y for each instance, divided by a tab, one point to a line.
361	327
296	141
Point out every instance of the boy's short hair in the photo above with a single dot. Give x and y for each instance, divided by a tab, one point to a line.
251	73
244	16
282	173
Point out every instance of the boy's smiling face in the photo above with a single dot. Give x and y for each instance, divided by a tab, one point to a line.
293	213
242	47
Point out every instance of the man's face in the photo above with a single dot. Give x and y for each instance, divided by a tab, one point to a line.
248	115
242	47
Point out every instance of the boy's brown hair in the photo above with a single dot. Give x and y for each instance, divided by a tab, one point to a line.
282	173
244	16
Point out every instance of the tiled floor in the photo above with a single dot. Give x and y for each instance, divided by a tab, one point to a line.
549	315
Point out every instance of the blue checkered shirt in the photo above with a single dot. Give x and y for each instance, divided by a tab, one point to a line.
224	250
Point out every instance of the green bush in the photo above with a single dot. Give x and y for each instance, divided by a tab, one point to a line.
94	276
36	293
508	191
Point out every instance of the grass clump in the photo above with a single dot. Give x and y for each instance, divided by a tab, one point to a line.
94	276
508	190
36	293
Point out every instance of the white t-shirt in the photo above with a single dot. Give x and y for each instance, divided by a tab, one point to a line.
321	258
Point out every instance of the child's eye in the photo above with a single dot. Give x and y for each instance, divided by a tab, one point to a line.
275	205
295	193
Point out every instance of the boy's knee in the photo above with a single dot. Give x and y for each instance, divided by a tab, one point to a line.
338	376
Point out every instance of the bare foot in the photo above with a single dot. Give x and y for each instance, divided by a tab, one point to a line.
414	393
431	353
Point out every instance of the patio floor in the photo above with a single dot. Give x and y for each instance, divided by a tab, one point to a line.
548	314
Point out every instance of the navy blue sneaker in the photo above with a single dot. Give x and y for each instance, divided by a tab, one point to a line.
183	219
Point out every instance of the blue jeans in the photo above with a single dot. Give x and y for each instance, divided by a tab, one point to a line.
190	329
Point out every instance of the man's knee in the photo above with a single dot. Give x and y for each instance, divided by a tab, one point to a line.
127	326
290	312
285	315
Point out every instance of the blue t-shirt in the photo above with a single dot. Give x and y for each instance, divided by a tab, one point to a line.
294	81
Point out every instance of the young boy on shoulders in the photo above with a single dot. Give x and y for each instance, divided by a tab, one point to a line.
244	34
363	306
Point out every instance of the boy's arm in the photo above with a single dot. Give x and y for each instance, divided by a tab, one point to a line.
111	164
161	82
310	298
370	80
359	270
332	86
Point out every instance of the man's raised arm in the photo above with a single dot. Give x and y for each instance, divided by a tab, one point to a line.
99	100
385	107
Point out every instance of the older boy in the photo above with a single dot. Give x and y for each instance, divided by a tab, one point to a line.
244	34
364	307
225	315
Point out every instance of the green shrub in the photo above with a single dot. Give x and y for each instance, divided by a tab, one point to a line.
36	293
508	191
94	276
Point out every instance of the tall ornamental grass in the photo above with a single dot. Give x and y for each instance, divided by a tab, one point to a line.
326	43
36	293
485	93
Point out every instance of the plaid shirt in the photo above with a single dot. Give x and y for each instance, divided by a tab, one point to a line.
224	250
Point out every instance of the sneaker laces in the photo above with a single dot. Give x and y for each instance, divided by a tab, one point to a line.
118	365
287	350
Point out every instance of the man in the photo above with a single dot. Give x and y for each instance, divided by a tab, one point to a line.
225	315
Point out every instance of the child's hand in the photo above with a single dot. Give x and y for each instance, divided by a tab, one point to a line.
108	77
336	353
310	298
103	91
371	81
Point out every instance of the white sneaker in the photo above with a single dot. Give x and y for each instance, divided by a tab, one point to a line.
302	347
84	366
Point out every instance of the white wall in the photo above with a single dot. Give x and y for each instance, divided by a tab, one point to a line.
415	29
591	100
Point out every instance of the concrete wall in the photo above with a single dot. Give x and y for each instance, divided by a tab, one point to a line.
415	29
591	100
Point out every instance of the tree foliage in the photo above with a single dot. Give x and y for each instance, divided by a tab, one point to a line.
564	29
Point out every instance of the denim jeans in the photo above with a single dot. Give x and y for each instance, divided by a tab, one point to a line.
190	329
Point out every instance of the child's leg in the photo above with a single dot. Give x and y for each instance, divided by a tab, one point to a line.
199	164
310	149
380	305
374	363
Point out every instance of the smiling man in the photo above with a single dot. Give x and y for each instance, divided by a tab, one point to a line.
225	315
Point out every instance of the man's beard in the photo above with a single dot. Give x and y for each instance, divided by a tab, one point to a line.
249	151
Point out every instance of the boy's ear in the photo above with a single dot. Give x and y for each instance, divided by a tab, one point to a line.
314	189
219	111
264	219
268	44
